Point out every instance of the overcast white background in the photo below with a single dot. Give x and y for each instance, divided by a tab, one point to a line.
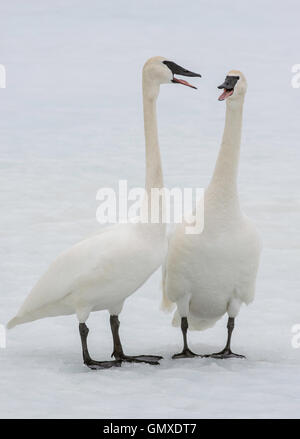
71	122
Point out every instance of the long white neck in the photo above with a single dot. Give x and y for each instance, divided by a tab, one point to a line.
154	175
223	186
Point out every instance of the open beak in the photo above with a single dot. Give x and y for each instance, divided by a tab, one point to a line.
178	70
182	81
228	86
226	93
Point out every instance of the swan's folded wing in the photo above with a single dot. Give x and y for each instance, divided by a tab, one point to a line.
69	269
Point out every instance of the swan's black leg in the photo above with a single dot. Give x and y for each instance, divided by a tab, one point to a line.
118	350
92	364
226	352
186	353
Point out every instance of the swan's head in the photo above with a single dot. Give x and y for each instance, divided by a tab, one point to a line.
159	70
234	86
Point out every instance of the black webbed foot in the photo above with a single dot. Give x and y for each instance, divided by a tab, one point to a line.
186	353
96	365
149	359
224	354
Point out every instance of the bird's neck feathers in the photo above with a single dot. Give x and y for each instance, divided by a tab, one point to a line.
154	174
222	190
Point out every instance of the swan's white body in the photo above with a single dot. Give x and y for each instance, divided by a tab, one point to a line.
101	272
213	273
96	274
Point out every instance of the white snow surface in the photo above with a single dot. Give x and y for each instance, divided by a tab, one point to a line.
71	123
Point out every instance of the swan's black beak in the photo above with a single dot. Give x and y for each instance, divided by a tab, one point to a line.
228	86
178	70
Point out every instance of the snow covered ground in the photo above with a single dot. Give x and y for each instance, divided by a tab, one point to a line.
71	122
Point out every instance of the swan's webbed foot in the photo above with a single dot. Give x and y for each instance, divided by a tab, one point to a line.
186	353
96	365
118	349
225	353
92	364
149	359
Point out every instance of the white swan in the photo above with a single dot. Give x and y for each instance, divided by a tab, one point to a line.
101	272
213	273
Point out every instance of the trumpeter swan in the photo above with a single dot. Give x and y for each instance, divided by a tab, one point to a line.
213	273
101	272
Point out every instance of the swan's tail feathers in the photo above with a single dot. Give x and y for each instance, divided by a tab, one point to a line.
51	310
18	320
13	322
195	323
166	304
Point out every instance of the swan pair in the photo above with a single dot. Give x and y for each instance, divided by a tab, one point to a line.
205	275
101	272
